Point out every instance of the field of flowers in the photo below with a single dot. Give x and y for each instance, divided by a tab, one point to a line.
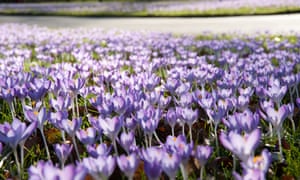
94	104
159	8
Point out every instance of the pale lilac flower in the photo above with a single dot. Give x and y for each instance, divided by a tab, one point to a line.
87	136
15	133
46	170
127	140
62	152
152	158
128	164
99	150
170	164
255	167
241	145
101	167
202	154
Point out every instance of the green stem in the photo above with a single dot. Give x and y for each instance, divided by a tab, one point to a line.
280	145
191	134
17	162
201	172
76	148
183	172
45	144
22	158
217	142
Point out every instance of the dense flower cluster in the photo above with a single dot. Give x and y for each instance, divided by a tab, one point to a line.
112	96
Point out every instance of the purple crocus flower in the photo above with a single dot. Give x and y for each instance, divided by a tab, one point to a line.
40	116
255	167
241	145
119	104
152	158
71	127
15	133
101	167
127	140
245	121
111	126
189	115
179	146
298	102
171	85
170	164
46	170
8	91
86	136
98	150
202	154
61	103
149	119
276	91
128	164
38	88
62	152
276	117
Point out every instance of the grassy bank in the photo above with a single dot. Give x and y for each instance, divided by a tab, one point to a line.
139	10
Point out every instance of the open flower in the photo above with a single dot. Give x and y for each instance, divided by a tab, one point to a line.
170	164
15	133
101	167
152	157
255	167
202	154
46	170
241	145
128	164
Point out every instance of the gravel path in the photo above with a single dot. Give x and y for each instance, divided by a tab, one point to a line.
243	24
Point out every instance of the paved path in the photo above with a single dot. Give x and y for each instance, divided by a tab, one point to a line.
243	24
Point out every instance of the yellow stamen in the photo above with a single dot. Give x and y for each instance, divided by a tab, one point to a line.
257	159
35	113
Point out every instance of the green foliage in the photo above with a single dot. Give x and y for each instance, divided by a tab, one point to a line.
292	155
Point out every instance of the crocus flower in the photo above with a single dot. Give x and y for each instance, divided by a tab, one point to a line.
38	88
189	115
202	154
170	164
61	103
40	116
98	150
276	91
15	133
152	158
62	152
255	167
241	145
71	127
128	164
111	126
276	117
101	167
245	121
86	136
127	140
46	170
179	146
119	104
298	102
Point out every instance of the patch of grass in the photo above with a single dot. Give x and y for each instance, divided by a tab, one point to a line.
243	11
